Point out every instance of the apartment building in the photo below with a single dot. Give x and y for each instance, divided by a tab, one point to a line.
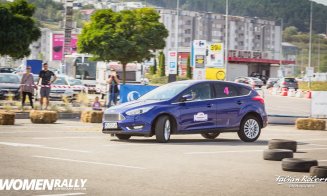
254	44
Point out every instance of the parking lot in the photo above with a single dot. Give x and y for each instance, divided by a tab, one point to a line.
188	165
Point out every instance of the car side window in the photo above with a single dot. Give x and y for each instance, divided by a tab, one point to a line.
226	90
200	92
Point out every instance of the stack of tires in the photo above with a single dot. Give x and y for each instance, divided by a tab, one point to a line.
282	150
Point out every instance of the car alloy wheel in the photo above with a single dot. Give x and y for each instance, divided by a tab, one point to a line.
167	129
251	128
163	129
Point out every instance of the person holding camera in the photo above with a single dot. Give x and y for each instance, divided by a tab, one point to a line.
113	81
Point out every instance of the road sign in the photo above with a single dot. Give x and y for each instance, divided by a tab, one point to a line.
215	56
172	62
215	73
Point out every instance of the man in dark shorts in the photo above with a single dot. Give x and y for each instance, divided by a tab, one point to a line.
46	76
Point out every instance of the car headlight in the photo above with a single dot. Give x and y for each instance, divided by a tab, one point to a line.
139	111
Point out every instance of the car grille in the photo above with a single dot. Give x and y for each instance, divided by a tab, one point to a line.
113	117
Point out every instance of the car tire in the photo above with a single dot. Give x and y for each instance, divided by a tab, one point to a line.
277	154
282	144
123	137
210	135
250	129
298	165
163	129
318	171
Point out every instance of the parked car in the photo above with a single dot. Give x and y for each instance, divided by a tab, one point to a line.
61	88
252	81
263	78
77	86
7	70
190	107
9	86
287	82
271	82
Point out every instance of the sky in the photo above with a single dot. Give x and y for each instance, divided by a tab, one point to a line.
321	1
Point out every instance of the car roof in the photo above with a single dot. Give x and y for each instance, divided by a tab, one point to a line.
9	74
192	82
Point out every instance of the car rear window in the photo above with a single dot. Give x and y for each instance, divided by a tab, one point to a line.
290	80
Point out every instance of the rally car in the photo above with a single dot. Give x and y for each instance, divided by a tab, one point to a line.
190	107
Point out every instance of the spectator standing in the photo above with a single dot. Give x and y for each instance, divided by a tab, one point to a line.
47	77
27	86
113	81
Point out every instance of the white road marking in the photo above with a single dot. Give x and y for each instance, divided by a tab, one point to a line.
41	146
240	151
89	162
228	151
20	144
64	194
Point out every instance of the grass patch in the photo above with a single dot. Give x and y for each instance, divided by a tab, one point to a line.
315	86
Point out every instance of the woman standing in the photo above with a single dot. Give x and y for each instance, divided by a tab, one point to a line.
27	87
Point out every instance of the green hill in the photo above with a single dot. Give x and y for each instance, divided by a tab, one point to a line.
294	12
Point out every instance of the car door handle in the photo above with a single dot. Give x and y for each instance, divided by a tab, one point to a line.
209	105
239	102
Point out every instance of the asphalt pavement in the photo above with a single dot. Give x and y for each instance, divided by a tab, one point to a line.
188	165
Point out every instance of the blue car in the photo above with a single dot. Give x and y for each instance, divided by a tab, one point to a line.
190	107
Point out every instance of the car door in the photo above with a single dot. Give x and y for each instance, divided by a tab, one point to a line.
228	104
198	113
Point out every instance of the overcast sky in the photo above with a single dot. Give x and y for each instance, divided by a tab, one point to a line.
321	1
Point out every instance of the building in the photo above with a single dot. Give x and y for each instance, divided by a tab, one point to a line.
254	44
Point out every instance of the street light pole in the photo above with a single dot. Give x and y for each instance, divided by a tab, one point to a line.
226	40
310	45
281	43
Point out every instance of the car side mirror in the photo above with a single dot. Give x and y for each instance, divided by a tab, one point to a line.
187	97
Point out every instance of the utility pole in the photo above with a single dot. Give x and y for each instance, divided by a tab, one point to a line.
281	44
319	54
310	45
226	40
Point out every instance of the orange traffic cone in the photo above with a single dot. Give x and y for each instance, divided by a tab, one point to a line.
308	95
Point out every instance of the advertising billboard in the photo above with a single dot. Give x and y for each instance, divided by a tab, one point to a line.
58	46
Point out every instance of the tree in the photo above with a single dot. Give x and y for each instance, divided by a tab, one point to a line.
126	36
153	68
162	64
188	68
18	29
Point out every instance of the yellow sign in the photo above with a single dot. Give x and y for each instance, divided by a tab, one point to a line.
215	47
215	73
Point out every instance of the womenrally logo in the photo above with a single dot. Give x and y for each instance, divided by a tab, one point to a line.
42	184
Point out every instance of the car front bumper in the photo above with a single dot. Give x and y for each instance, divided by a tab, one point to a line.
130	125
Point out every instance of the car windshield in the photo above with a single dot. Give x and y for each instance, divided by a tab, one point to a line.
75	82
290	80
9	79
165	92
60	81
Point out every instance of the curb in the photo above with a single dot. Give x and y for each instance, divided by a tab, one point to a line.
284	119
25	115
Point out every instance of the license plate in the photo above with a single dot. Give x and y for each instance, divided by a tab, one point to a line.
110	125
54	95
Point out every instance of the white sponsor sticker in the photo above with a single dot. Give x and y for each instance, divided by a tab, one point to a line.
200	117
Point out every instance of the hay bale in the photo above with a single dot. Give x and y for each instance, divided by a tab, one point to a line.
310	124
43	116
91	116
7	118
